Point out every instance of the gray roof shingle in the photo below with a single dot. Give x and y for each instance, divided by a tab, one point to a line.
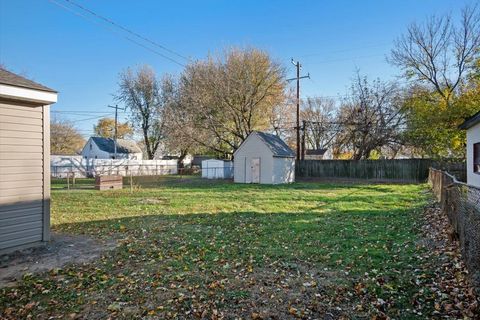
12	79
470	122
276	145
123	146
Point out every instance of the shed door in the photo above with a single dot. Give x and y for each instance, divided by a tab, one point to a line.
255	167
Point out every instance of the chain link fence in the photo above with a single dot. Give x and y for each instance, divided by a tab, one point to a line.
461	203
138	176
125	170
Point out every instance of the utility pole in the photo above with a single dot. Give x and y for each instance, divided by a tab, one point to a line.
298	66
116	129
304	129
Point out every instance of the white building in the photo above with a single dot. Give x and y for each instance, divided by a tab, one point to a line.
472	125
104	148
264	158
217	169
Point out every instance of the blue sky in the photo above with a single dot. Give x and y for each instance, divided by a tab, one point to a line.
81	59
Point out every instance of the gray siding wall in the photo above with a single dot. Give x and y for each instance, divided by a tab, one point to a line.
253	147
283	170
24	188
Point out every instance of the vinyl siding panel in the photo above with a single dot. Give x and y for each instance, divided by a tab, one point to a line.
21	220
4	133
16	150
20	141
18	241
20	120
20	183
20	111
23	226
18	233
22	163
22	178
21	128
9	155
15	210
283	170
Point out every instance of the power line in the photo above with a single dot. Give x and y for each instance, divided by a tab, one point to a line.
78	112
119	34
126	29
92	118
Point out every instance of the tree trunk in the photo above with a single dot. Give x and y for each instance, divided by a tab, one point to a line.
183	154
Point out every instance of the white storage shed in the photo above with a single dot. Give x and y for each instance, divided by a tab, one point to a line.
24	162
217	169
264	158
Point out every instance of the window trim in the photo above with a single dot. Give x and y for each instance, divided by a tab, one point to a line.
476	157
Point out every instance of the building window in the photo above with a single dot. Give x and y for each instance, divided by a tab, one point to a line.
476	158
90	146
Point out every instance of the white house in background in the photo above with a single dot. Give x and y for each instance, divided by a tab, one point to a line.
104	148
264	158
472	125
217	169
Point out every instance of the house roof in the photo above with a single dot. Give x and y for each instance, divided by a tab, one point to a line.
276	144
123	146
470	122
12	79
315	152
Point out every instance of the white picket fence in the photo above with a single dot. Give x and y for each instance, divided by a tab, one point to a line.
63	166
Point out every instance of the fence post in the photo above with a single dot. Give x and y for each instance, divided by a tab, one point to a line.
131	182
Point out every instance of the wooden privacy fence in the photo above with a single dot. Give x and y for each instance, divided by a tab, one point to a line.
401	170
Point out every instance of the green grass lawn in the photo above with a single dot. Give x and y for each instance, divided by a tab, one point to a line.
190	248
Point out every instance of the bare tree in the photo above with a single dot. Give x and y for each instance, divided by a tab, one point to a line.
226	98
321	126
282	118
65	138
370	118
141	92
439	52
179	130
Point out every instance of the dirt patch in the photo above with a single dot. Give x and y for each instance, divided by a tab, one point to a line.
61	250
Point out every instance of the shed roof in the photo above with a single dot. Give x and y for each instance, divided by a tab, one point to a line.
12	79
123	146
470	122
315	152
278	147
